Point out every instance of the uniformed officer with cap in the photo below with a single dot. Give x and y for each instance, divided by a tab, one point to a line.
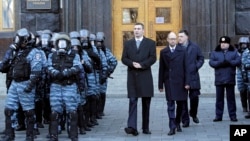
224	60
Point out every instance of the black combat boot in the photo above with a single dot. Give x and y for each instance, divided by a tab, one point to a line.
103	99
73	133
86	117
243	98
9	131
87	110
30	118
53	128
81	120
93	107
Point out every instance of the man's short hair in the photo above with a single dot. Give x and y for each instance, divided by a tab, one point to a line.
184	31
140	24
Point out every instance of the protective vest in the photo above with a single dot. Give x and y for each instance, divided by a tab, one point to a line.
21	67
61	62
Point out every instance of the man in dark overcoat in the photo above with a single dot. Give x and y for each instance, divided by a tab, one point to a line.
195	60
139	54
172	78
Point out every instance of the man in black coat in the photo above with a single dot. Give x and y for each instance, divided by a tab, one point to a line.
195	60
139	54
173	77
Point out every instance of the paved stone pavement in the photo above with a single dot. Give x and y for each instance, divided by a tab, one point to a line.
111	127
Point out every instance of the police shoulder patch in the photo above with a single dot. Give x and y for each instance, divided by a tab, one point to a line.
38	56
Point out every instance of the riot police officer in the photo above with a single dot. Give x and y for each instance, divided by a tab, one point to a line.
46	47
109	63
85	60
26	68
92	82
245	74
64	67
5	67
241	74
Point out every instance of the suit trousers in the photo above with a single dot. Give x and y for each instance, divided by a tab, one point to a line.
185	116
194	101
132	118
171	113
175	116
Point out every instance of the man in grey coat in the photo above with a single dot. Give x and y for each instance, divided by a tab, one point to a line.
139	54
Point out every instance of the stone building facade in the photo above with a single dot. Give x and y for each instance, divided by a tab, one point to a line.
206	20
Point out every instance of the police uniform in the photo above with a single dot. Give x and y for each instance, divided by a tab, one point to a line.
245	60
241	73
224	60
82	86
26	68
109	64
64	67
91	78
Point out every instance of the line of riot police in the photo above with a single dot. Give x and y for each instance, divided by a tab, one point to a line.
243	74
63	75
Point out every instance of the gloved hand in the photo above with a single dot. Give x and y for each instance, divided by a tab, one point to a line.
59	76
28	89
66	72
225	63
247	66
102	80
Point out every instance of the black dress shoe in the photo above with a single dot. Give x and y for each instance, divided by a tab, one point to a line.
171	132
82	131
146	131
196	120
217	119
185	125
247	116
130	130
178	128
234	119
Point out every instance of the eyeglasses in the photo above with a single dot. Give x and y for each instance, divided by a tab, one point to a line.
172	38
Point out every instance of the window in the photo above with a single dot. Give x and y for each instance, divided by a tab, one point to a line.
7	15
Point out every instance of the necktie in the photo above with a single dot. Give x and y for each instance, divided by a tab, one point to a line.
172	50
138	42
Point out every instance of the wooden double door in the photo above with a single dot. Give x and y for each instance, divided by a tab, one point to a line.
158	16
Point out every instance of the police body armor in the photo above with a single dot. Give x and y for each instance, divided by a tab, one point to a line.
61	62
20	67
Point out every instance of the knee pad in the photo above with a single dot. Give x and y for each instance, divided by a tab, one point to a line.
29	113
8	112
54	116
94	97
88	98
73	115
79	108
